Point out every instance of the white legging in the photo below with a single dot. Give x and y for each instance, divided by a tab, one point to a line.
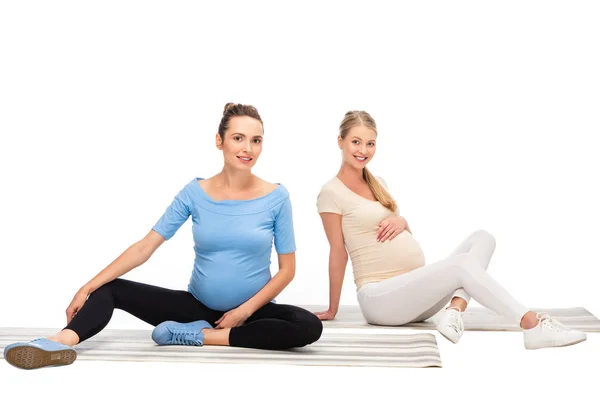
421	293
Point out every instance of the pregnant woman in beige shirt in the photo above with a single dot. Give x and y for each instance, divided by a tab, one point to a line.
394	284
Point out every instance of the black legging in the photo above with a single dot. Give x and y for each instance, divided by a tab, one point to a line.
273	327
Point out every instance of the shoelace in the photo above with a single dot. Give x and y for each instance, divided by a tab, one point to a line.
185	337
41	339
456	320
546	321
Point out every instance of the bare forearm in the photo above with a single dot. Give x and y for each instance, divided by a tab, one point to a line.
133	257
271	290
337	270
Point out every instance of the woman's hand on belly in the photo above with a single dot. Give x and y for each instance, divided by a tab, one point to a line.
391	227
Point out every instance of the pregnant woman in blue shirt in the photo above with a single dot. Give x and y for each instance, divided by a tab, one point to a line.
236	217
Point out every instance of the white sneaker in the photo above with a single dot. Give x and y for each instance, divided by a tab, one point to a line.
450	325
551	333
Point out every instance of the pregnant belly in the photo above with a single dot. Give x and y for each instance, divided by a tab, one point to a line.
223	290
401	253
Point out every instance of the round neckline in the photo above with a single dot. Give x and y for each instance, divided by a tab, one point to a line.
352	191
233	201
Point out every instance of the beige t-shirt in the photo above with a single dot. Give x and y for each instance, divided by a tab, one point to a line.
372	261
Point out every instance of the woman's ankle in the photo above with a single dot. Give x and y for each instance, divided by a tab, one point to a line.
66	337
529	320
218	337
458	303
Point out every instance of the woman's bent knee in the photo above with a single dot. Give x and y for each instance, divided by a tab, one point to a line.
310	329
486	236
108	289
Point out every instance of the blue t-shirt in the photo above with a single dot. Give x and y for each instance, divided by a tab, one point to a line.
232	240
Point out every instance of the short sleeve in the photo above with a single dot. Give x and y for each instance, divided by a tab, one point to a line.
327	202
285	241
175	215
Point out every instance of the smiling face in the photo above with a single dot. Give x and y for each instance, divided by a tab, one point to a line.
358	146
242	142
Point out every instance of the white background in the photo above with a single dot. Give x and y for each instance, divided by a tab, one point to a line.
487	116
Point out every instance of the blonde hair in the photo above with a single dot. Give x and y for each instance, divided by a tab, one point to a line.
362	118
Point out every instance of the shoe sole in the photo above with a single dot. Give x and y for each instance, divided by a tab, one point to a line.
560	345
29	357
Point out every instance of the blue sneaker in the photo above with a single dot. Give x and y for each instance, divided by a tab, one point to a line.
171	332
39	353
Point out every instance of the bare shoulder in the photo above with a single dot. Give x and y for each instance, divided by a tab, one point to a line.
263	187
207	183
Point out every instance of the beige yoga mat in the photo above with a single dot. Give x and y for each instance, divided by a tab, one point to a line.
333	349
474	318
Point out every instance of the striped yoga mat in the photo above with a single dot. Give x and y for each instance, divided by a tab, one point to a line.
333	349
474	318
